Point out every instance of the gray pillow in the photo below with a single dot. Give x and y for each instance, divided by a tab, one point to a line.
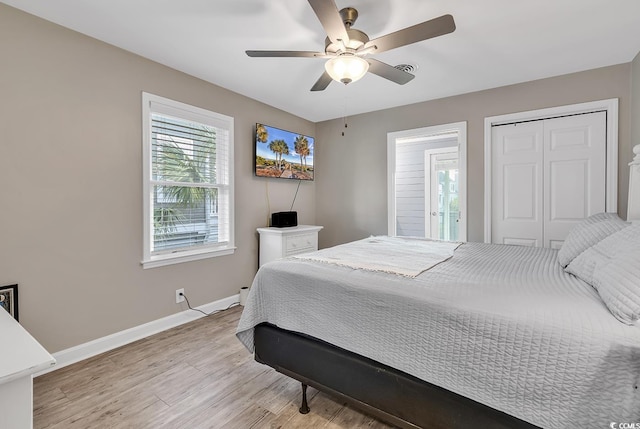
587	233
612	267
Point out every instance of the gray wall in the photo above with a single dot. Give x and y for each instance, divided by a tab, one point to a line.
352	186
71	184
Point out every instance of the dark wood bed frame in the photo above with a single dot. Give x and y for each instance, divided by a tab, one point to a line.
379	390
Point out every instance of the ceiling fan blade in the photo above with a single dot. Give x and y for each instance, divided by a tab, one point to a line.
389	72
329	16
427	30
322	83
305	54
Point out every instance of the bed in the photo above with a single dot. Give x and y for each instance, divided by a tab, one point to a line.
489	336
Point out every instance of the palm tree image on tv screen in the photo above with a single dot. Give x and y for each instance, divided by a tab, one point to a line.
283	154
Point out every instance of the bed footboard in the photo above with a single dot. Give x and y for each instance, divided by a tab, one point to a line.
382	391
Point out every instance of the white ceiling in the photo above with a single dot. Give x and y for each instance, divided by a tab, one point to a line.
496	43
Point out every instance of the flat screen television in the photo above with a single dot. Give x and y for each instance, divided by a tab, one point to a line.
283	154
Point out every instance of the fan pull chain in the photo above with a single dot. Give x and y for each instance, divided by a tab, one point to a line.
344	116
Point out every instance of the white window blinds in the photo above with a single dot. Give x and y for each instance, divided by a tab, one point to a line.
188	180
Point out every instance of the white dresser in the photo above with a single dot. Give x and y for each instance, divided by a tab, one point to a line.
276	243
21	356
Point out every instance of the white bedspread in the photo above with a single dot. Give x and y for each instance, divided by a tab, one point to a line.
396	255
502	325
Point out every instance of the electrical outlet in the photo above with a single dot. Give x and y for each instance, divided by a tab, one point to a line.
179	296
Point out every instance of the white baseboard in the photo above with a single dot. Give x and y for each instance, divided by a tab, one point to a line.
92	348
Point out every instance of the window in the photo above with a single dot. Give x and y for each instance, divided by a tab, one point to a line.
188	182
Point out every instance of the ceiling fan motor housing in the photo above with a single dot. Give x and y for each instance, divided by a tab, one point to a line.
357	39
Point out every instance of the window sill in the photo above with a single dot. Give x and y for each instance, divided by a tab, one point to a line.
185	256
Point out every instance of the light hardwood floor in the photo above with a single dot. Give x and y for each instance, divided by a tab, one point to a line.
197	375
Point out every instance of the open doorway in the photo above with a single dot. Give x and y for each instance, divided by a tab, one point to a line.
427	182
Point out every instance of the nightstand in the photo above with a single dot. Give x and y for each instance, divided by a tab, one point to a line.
276	243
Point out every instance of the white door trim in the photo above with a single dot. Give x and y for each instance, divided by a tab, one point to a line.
461	129
610	106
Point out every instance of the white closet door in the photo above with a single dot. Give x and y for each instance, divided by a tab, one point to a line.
547	175
517	174
574	173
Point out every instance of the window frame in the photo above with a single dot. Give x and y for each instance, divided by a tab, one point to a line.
155	104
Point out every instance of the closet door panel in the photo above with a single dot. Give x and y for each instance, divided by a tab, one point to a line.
574	172
516	193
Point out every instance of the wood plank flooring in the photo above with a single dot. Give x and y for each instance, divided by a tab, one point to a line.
197	375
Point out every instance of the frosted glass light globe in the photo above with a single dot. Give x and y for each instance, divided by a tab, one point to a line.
346	68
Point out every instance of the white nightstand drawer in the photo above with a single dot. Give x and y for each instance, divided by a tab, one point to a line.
301	243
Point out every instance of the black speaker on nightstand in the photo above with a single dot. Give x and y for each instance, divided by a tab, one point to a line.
284	219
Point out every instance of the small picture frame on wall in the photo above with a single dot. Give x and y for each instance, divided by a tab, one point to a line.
9	299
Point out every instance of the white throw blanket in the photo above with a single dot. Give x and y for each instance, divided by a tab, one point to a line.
396	255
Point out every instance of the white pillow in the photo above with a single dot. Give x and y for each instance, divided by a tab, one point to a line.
587	233
612	266
618	284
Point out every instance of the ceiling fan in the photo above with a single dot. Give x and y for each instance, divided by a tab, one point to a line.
346	47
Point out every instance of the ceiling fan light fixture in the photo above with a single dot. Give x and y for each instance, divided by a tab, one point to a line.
346	68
